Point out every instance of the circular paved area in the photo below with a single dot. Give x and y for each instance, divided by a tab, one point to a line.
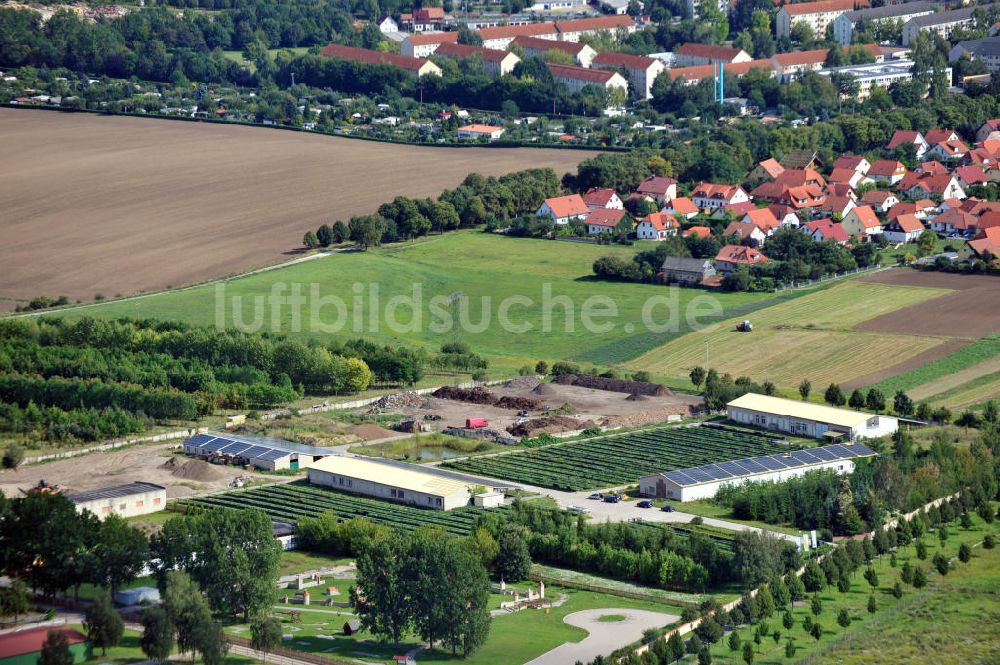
605	636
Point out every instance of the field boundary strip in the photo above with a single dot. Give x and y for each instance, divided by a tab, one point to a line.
981	350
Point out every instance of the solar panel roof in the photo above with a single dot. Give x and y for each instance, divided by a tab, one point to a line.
749	466
200	439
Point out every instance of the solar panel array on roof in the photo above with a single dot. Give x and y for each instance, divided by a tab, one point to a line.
749	466
263	449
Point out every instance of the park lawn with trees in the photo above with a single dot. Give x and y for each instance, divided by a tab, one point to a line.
129	651
708	508
811	336
474	263
891	614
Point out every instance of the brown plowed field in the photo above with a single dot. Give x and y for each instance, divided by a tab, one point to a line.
970	312
96	204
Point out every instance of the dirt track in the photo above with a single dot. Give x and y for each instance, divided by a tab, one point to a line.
94	204
968	313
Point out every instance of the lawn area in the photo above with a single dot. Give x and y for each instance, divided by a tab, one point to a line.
128	651
514	638
936	376
960	612
676	599
708	508
477	264
237	56
810	337
299	561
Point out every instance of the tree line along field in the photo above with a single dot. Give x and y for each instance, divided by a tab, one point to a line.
159	203
809	337
623	458
291	502
480	265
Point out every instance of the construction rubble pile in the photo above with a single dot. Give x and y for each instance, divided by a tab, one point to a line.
480	395
549	425
394	401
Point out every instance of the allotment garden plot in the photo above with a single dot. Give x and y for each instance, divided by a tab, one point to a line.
613	461
291	502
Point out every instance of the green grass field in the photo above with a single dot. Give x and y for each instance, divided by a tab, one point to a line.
955	619
810	337
486	269
980	351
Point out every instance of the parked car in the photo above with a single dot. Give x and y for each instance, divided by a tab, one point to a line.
667	508
596	495
578	509
612	498
645	504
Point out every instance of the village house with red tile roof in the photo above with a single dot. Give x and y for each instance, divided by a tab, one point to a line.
602	197
563	209
904	228
822	230
656	226
732	257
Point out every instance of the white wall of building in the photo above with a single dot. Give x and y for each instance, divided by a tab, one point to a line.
371	488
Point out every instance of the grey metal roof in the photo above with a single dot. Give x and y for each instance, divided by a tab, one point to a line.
115	492
684	263
749	466
942	17
987	47
891	11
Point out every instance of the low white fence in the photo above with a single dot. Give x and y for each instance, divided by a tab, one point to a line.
117	443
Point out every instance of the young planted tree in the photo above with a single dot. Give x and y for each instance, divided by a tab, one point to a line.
55	649
14	600
697	376
265	634
324	234
919	578
816	630
704	656
805	388
872	605
857	400
816	606
871	577
310	240
940	562
734	641
902	404
787	620
748	653
790	648
834	395
843	618
157	639
104	626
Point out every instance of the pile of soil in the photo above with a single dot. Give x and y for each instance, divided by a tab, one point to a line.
195	469
636	397
396	401
543	389
614	385
371	431
549	425
522	383
480	395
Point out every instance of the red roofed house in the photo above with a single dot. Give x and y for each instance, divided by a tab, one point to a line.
502	36
989	220
807	196
564	209
909	137
537	47
577	78
733	211
692	55
731	257
656	226
604	220
821	230
987	128
698	231
971	175
785	215
836	206
682	207
708	195
853	162
817	15
944	186
572	30
862	222
641	70
425	20
934	136
904	228
23	647
932	166
747	234
763	219
985	247
480	132
602	197
879	199
794	64
416	66
953	221
497	63
765	171
423	45
659	188
887	171
949	151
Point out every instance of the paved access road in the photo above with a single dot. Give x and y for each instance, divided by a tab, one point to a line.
605	636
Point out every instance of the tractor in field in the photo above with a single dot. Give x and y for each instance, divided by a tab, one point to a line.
744	326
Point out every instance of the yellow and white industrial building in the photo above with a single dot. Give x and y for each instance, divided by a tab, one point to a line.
401	483
808	419
123	500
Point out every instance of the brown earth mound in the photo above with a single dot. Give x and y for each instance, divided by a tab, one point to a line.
195	469
522	382
544	389
480	395
519	403
636	397
549	425
371	431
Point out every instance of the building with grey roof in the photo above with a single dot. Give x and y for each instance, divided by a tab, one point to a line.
985	50
845	24
702	482
257	451
942	23
123	500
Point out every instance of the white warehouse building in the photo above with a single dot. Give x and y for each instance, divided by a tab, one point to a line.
402	483
123	500
808	419
703	482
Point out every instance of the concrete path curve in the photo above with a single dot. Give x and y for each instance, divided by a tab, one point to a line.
605	636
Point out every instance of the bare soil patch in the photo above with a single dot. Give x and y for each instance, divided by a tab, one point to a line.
152	464
98	204
372	432
967	313
943	349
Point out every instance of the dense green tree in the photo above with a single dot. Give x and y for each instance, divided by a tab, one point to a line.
157	639
805	387
513	560
55	649
381	597
834	395
13	455
104	626
265	634
844	618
